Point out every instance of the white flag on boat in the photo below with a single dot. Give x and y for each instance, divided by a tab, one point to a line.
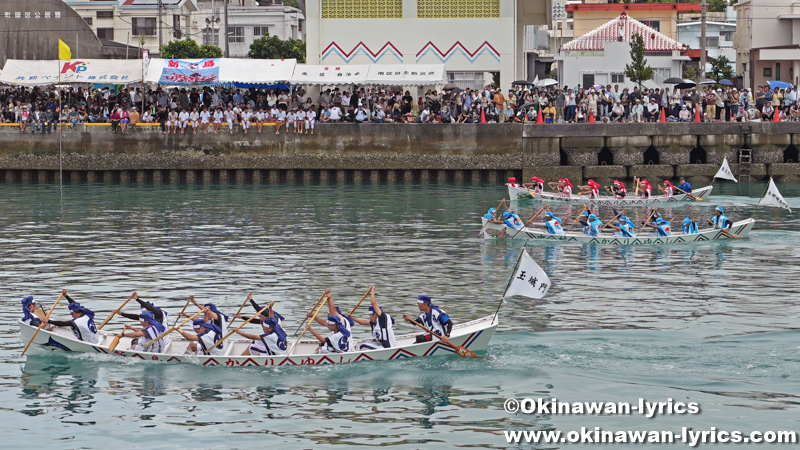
724	172
773	197
529	280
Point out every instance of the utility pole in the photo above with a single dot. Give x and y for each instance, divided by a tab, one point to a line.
227	46
160	29
703	8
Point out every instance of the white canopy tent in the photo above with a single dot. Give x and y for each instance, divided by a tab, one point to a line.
45	72
228	70
307	74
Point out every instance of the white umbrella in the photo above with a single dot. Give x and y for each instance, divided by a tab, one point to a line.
546	82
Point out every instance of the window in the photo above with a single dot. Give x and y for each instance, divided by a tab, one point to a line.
260	31
726	35
457	9
617	77
294	31
588	80
105	33
211	37
88	20
362	9
144	26
712	41
778	71
661	74
105	14
768	72
235	34
176	26
654	24
467	80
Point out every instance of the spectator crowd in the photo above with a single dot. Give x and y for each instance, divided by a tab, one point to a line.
220	109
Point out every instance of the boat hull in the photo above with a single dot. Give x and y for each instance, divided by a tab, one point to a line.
519	194
474	335
501	231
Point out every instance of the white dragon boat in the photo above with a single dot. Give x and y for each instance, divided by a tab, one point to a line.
474	335
740	229
516	193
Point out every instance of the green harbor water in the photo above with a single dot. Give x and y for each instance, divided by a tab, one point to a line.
712	323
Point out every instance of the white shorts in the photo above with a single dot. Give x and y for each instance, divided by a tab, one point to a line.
370	345
205	121
183	124
258	348
245	125
310	124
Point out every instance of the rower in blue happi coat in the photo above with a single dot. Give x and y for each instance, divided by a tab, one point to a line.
82	322
206	335
592	226
29	312
662	227
512	220
339	341
381	324
151	329
624	226
145	306
432	317
271	342
719	220
689	226
552	224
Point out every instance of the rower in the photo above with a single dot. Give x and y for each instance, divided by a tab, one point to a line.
434	318
647	189
536	185
512	220
624	226
689	226
662	227
719	220
28	312
592	188
593	226
159	314
565	188
667	190
619	190
334	310
151	329
684	186
512	181
82	322
382	326
272	342
262	316
339	341
212	315
490	216
553	223
206	335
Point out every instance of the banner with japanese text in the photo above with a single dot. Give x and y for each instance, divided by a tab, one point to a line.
185	73
93	71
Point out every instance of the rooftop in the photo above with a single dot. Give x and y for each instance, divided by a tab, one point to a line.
624	26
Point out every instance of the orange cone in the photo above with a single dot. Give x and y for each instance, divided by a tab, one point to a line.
591	118
483	117
697	114
663	118
540	118
777	117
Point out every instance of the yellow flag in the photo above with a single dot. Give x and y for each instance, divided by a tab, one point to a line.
63	51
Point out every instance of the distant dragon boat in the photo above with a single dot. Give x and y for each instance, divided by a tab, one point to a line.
516	193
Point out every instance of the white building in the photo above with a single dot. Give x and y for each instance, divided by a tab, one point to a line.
719	40
470	37
133	21
600	56
767	41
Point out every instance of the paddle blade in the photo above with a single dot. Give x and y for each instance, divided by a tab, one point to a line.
113	343
465	352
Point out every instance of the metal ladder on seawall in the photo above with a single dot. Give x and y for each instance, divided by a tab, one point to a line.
745	163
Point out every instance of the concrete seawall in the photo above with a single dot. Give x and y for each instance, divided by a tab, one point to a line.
404	153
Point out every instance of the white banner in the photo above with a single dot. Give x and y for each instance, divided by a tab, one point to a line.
42	73
529	279
232	70
773	197
407	74
725	172
330	75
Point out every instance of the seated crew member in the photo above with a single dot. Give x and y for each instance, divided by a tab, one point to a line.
159	314
667	190
684	186
334	310
536	185
647	189
206	335
382	326
512	181
624	226
662	227
491	216
339	341
82	322
689	226
592	189
263	316
593	226
563	187
212	315
512	220
271	342
432	317
29	312
151	329
719	220
552	224
618	190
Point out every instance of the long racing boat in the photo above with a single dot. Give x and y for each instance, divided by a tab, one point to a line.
516	193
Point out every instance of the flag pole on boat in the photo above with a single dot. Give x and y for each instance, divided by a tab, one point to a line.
527	280
773	197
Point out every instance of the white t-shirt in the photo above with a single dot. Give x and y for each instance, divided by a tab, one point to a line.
311	116
205	116
336	113
218	116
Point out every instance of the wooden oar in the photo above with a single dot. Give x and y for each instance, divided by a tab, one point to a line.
534	216
648	220
636	191
182	311
460	350
530	192
573	212
249	296
115	341
676	215
496	214
160	336
698	199
577	218
42	324
112	312
304	320
304	330
238	328
362	299
725	232
612	219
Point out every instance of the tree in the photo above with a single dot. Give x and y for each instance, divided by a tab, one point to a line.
720	69
717	5
690	72
273	47
638	70
188	49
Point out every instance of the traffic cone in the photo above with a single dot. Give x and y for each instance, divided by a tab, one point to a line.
540	117
697	114
663	118
777	117
591	118
483	116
